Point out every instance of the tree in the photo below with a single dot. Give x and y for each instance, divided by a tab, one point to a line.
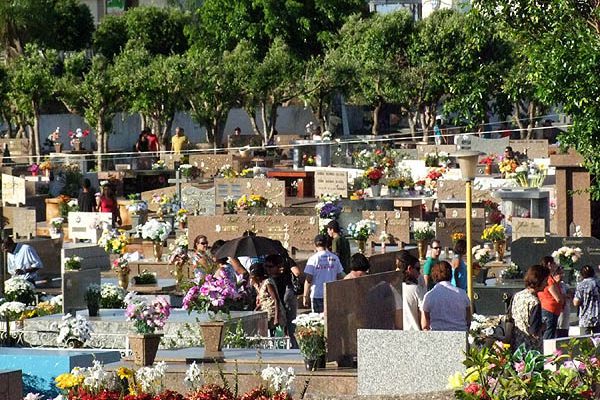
72	28
111	36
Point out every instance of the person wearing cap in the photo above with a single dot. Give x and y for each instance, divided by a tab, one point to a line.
339	244
321	267
22	259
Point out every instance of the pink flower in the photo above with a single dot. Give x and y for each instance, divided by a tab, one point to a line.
520	366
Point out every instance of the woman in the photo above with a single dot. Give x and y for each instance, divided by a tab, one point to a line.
107	203
412	291
224	269
267	298
142	147
551	298
445	307
459	267
526	310
202	260
587	298
359	266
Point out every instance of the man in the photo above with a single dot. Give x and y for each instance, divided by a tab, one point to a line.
436	250
178	141
153	142
321	267
22	259
437	132
87	198
339	244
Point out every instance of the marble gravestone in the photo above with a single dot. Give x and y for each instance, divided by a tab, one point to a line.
13	190
22	221
489	146
351	212
198	201
87	225
210	164
331	182
344	316
445	227
394	223
527	227
272	189
528	251
536	148
449	190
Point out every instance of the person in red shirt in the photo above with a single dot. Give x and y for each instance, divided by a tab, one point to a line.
153	142
551	298
107	203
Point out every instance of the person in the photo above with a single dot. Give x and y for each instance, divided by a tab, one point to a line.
141	146
339	244
321	267
445	307
434	257
237	131
153	142
412	291
437	132
273	139
267	298
284	274
526	310
202	259
224	268
587	299
459	267
359	266
551	298
107	203
509	154
22	259
178	141
86	201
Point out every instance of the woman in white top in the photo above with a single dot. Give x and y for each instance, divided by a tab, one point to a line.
412	291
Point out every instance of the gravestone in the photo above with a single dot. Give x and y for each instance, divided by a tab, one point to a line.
11	384
292	231
169	191
456	211
331	182
22	221
394	223
343	317
527	227
537	148
210	163
13	190
526	252
351	212
454	190
170	159
272	189
489	146
198	201
16	147
525	204
87	225
423	149
445	227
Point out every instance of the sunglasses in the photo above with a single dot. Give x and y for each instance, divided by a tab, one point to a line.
204	243
436	248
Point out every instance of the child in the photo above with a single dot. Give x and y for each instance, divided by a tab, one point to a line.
267	298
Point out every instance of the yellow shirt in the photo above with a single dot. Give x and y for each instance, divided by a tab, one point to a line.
177	143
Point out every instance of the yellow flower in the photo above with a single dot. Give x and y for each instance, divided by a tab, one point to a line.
125	373
456	381
472	375
67	381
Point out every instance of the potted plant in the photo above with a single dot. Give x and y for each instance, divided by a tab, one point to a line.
482	256
114	241
423	236
567	257
76	138
19	289
145	278
361	231
230	205
156	231
54	138
138	210
374	175
181	217
310	332
73	263
215	296
73	332
92	298
329	207
56	225
10	311
497	235
147	316
111	296
510	273
121	267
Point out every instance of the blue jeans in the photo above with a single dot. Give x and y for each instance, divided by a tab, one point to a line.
551	322
318	306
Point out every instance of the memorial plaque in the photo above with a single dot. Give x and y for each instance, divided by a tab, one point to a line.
331	182
537	148
272	189
394	223
292	231
198	201
13	190
489	146
527	227
461	212
210	163
23	222
445	227
87	225
526	252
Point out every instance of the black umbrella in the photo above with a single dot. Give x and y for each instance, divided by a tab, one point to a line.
248	246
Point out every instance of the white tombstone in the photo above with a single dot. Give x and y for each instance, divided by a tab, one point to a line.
88	225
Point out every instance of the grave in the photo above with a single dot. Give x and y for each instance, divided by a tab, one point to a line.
528	251
423	149
450	191
303	180
87	225
210	163
272	189
162	269
11	384
527	227
49	251
537	148
331	182
75	283
198	201
393	363
344	315
22	220
489	146
494	299
13	190
525	204
394	223
445	227
352	212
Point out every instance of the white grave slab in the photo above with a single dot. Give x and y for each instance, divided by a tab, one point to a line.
13	190
331	182
528	227
84	225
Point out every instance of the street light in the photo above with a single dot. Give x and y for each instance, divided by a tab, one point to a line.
467	161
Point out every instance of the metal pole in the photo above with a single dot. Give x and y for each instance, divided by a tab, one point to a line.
469	207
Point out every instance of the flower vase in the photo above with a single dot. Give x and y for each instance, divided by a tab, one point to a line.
139	218
144	347
362	245
500	248
123	278
77	146
422	248
213	334
376	190
178	275
312	364
34	173
182	225
488	169
93	309
58	147
157	248
56	233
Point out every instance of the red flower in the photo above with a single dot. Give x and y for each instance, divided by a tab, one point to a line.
476	390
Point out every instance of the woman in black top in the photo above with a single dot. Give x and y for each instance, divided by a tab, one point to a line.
87	199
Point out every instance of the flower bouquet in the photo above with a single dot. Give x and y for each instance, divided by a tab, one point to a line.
253	201
34	169
46	165
230	204
159	165
482	255
147	315
181	216
77	136
216	295
74	331
111	296
56	225
507	166
488	160
436	159
19	289
310	332
483	330
114	241
362	229
121	265
155	230
92	297
189	171
530	174
456	236
374	175
567	256
495	233
227	171
137	207
73	263
12	310
329	206
511	272
424	234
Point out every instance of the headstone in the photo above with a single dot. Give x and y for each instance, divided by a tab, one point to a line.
351	212
75	283
527	227
445	227
169	191
456	211
292	231
395	363
331	182
417	168
13	190
525	204
23	222
489	146
343	317
394	223
170	159
537	148
16	147
11	384
527	251
424	149
87	225
454	190
272	189
210	163
198	201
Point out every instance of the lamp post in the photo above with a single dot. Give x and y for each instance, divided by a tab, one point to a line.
467	161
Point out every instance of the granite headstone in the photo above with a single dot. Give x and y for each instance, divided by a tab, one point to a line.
23	222
331	182
489	146
13	190
210	164
527	227
445	227
528	251
537	148
394	223
272	189
87	225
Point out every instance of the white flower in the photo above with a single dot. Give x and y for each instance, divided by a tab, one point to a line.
193	376
278	378
12	309
33	396
156	230
77	328
151	378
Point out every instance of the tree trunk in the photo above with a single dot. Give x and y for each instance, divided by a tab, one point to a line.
265	121
531	113
36	131
100	140
517	119
252	114
412	117
375	127
273	122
